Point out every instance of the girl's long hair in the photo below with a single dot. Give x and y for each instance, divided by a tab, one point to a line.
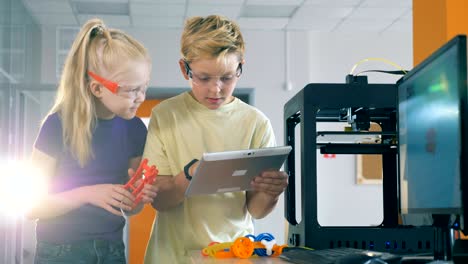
96	49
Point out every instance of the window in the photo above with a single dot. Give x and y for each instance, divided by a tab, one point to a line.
64	39
12	53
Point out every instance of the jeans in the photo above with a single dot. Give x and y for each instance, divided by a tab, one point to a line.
81	252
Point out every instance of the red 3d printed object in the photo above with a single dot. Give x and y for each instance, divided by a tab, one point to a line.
147	174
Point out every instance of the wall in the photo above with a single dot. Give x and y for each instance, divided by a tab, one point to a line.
435	22
312	58
333	55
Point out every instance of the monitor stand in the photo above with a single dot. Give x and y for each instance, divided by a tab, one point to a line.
445	235
460	251
458	246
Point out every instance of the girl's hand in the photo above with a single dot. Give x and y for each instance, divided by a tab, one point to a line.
149	192
109	197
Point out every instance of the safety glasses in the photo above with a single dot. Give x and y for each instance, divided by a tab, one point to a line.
115	88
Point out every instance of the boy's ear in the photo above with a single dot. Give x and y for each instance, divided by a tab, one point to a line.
95	89
183	69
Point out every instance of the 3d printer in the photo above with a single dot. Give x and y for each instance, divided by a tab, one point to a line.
357	103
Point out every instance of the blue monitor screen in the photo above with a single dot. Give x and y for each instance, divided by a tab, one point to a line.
430	137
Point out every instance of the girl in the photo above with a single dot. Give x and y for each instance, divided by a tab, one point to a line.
88	145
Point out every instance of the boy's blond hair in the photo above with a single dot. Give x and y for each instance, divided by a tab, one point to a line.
211	37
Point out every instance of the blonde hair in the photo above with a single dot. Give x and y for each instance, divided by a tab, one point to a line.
211	37
99	50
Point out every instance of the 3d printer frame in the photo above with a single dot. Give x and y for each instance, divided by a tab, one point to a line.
328	102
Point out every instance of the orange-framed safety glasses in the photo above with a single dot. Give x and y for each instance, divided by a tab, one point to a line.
112	86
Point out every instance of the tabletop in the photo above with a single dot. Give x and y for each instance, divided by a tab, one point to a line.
197	257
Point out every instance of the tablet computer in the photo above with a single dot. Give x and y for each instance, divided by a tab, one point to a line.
232	171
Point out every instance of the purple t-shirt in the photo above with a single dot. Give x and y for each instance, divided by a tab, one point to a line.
114	143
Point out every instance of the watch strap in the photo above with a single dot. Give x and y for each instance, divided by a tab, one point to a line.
187	168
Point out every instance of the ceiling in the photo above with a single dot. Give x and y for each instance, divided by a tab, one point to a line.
378	16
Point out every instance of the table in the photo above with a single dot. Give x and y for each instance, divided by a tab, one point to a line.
198	258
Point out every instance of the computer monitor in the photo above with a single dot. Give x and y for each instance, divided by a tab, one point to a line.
433	134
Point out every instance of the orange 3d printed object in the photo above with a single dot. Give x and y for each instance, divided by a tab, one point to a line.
147	175
242	247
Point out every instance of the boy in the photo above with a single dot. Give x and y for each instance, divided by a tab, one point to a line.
206	119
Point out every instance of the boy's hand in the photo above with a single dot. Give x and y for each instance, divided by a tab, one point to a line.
270	182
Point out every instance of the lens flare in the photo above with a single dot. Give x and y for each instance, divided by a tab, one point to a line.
22	186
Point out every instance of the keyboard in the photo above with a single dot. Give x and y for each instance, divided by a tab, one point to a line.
300	255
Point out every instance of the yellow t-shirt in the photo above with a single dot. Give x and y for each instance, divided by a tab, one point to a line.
180	130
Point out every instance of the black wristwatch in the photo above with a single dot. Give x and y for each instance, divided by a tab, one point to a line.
187	168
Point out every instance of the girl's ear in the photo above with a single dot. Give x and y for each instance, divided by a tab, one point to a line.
95	89
183	69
